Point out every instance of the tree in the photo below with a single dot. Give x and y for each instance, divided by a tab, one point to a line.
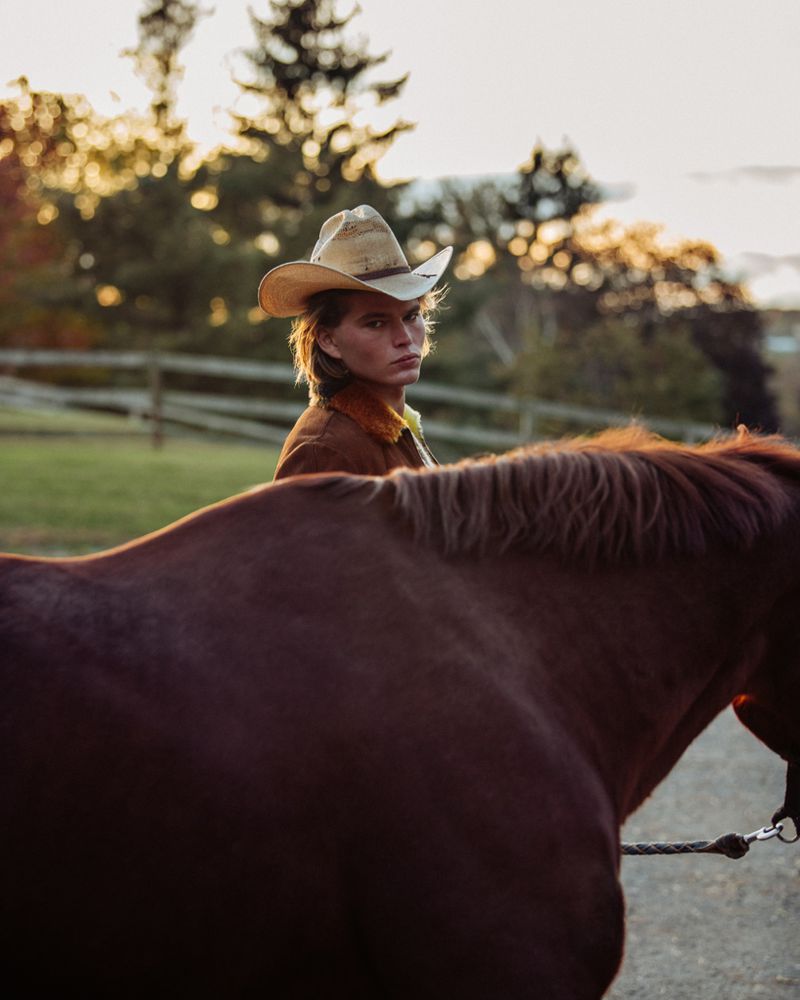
300	156
609	270
549	273
38	305
156	272
165	27
307	82
152	251
492	223
610	366
145	261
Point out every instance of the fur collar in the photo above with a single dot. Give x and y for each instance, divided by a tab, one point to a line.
369	412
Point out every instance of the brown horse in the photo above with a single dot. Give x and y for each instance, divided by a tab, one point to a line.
322	740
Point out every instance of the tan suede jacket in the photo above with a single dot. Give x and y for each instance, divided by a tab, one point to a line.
355	432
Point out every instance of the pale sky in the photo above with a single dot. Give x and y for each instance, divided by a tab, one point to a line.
691	104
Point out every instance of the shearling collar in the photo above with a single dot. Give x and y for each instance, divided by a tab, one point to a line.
369	412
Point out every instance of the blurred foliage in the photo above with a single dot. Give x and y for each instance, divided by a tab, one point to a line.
38	304
300	156
116	233
782	327
611	366
306	87
165	26
536	271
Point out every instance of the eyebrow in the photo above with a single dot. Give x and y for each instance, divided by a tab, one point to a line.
383	314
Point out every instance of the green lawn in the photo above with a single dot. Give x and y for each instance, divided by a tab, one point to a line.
74	421
81	494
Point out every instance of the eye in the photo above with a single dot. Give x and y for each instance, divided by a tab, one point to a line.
413	316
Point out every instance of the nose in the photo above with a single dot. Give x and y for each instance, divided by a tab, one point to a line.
401	335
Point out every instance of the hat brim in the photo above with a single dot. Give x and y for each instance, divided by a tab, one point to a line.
286	289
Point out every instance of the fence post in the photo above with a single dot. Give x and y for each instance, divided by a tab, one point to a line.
531	343
527	421
154	378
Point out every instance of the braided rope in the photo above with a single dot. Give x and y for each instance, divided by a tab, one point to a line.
732	845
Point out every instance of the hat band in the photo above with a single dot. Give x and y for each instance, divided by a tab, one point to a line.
386	273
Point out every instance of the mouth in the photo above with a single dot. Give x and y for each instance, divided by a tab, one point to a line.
407	359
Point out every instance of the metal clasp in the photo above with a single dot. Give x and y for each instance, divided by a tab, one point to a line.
765	833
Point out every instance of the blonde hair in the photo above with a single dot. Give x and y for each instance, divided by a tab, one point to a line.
324	374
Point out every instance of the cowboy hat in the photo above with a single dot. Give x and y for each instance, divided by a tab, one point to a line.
356	250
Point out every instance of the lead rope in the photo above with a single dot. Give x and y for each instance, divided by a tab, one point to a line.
732	845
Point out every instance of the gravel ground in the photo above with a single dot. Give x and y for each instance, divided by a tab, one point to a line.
704	927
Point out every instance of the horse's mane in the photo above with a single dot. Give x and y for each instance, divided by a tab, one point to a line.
623	495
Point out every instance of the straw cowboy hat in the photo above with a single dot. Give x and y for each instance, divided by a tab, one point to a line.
356	250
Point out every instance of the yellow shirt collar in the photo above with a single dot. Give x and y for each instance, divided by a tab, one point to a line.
413	421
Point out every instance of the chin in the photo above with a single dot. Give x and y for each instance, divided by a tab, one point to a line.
409	377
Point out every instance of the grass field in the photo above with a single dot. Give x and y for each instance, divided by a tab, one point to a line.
72	494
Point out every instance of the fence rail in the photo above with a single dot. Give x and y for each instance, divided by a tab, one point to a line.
252	418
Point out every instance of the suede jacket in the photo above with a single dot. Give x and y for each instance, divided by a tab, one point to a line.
355	432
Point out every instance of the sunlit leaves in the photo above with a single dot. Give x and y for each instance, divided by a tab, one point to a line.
108	295
303	86
63	144
164	28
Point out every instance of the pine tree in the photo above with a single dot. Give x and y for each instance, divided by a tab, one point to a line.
300	156
308	81
165	26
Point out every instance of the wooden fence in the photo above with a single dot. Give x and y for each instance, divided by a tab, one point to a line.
269	419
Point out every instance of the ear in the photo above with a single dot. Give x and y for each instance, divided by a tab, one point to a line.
327	343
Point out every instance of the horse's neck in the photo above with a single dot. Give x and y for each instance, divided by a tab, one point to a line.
642	660
656	755
743	646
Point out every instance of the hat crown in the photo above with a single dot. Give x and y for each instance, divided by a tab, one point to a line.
360	243
356	251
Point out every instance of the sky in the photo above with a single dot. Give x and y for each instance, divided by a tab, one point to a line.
687	108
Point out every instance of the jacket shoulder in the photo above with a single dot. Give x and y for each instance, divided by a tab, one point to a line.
324	440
